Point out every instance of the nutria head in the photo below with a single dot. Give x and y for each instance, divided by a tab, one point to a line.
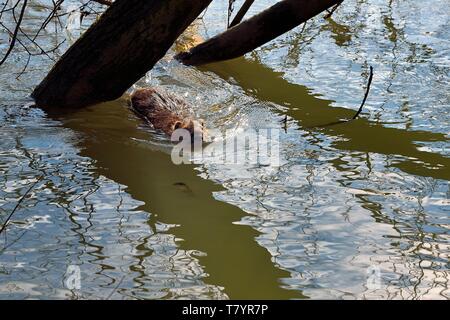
195	127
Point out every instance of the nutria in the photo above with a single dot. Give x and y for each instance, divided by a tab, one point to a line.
166	112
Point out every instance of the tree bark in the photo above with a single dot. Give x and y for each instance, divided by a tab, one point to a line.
254	32
116	51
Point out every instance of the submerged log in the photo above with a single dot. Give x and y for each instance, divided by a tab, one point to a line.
116	51
254	32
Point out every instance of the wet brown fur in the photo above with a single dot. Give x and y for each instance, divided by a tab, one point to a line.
165	111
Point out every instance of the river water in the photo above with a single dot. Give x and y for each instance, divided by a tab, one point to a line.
355	210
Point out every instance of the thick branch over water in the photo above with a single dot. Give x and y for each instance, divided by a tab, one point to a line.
256	31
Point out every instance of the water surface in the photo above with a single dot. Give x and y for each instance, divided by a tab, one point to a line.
350	200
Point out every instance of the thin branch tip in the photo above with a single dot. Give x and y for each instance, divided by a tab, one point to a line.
366	94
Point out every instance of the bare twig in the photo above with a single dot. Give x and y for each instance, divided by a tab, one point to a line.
284	122
203	14
115	288
230	11
16	30
57	17
366	94
357	113
9	9
30	42
19	202
49	18
24	67
43	52
4	8
303	28
241	13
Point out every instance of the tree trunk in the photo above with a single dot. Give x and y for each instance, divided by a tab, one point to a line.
116	51
254	32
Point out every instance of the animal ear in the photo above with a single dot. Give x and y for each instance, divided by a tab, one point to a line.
177	125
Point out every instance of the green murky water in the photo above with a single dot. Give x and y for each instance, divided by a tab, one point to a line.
350	201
